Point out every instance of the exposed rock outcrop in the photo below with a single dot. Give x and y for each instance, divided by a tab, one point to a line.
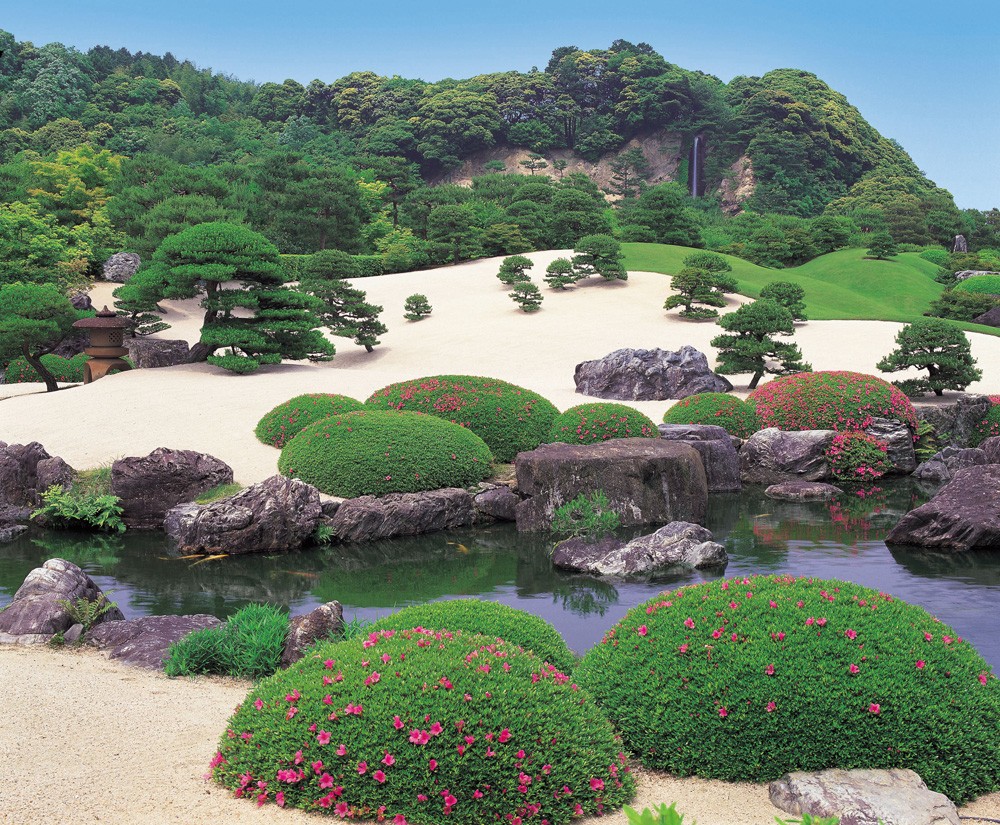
367	518
19	483
325	622
899	438
647	480
737	186
151	353
954	422
771	456
648	375
121	266
940	467
802	491
497	503
144	642
715	446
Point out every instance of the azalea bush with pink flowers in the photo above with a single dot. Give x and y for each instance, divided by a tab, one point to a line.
857	457
748	678
287	420
990	425
836	400
509	418
736	416
601	421
423	727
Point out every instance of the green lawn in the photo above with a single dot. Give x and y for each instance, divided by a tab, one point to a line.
843	285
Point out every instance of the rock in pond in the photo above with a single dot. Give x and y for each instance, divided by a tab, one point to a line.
718	454
19	473
954	421
144	642
771	456
496	503
940	467
899	439
648	375
802	491
325	622
367	518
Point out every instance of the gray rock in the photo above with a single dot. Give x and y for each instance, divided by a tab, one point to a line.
647	480
81	300
276	515
990	318
325	622
991	447
35	613
73	344
802	491
53	472
368	518
144	642
72	636
149	486
9	532
19	473
329	506
717	451
940	467
648	375
863	797
151	353
679	544
962	516
955	421
121	266
899	439
959	244
771	456
496	504
973	273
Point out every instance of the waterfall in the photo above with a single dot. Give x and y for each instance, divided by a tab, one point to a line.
694	166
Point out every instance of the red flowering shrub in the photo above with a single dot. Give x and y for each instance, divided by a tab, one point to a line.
990	425
856	456
510	419
746	679
734	415
425	727
600	421
287	420
835	400
374	452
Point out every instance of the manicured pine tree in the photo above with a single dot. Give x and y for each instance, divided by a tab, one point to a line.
527	295
343	308
416	307
34	318
703	280
599	255
560	273
788	295
749	346
938	347
882	246
514	270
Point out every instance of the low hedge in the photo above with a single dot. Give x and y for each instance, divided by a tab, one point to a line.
492	619
736	416
374	452
601	421
746	679
424	727
64	370
287	420
834	400
509	418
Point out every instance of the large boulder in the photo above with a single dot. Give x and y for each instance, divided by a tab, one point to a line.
367	518
647	481
276	515
990	318
496	503
718	454
991	448
53	472
964	274
144	642
648	375
677	545
954	421
940	467
36	613
19	486
899	439
962	516
771	456
150	353
863	797
121	266
149	486
802	491
325	622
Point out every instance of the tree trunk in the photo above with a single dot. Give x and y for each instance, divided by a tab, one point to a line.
199	353
35	361
753	381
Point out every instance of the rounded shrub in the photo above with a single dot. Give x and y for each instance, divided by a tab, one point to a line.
714	679
601	421
491	619
858	457
287	420
64	370
425	727
509	418
734	415
834	400
374	452
982	284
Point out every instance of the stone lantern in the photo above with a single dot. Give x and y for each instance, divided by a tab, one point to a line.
107	334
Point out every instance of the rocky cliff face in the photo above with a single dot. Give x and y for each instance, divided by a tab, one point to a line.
738	185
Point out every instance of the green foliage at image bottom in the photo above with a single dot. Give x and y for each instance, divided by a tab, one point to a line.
77	510
425	727
489	619
733	665
249	645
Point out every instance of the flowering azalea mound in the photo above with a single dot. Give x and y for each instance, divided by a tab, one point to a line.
420	726
736	416
749	678
287	420
601	421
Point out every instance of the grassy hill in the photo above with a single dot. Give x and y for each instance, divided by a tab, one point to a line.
843	285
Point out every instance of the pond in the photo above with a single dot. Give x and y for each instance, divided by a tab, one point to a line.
145	576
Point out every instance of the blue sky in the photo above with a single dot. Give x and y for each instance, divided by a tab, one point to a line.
926	74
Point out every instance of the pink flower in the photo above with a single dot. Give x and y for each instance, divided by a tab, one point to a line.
388	760
770	706
399	819
982	678
342	750
920	664
643	630
436	729
769	670
326	781
397	723
853	668
450	800
723	713
689	623
379	776
851	634
258	704
362	767
342	809
596	784
419	737
504	735
323	737
928	637
875	708
683	648
432	765
279	798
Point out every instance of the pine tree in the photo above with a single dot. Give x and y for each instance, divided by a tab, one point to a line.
788	295
704	280
938	347
514	270
750	348
527	295
416	307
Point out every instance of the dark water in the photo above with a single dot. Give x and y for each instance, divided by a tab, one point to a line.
761	536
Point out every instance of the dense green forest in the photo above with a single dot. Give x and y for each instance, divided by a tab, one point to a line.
110	150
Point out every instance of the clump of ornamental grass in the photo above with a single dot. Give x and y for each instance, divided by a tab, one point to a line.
374	452
287	420
509	418
736	416
857	457
749	678
601	421
425	727
492	619
835	400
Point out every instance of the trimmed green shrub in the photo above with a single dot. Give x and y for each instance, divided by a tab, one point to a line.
832	400
287	420
424	727
64	370
509	418
527	296
734	415
249	645
855	456
734	666
374	452
937	256
491	619
601	421
369	266
588	516
981	284
416	307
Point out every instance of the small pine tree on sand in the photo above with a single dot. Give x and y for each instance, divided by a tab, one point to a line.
938	347
748	346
